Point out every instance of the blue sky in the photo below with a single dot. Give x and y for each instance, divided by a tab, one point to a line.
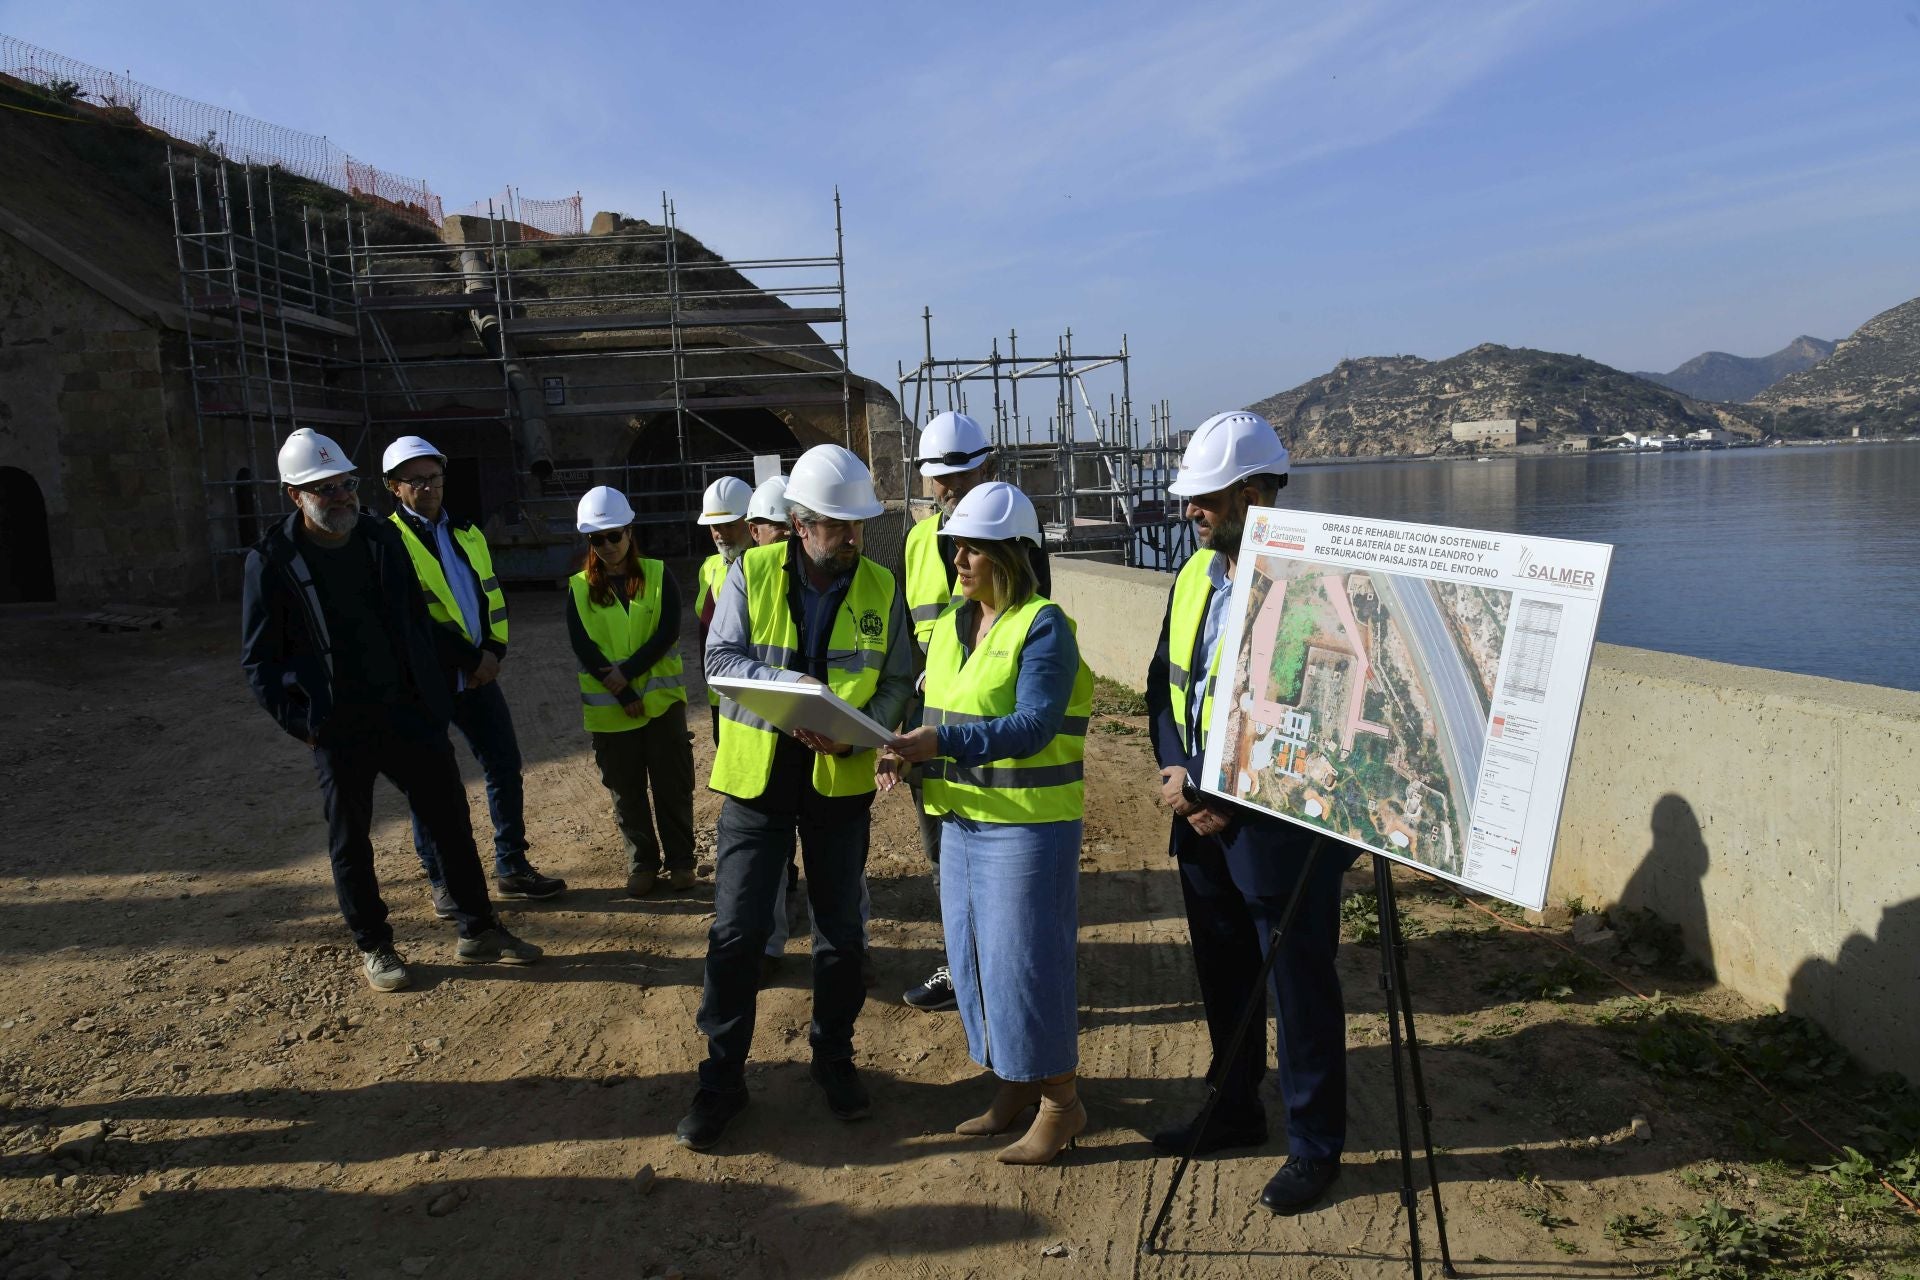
1249	192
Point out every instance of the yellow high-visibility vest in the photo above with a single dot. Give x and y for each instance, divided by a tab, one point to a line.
1047	786
442	607
713	572
856	651
620	630
1186	617
928	590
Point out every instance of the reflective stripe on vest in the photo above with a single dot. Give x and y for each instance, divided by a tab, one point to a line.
928	593
1187	618
856	651
441	605
1047	786
713	572
619	630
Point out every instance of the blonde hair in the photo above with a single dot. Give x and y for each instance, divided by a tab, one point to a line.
1008	566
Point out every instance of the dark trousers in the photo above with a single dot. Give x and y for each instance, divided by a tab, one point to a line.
480	714
657	755
754	850
412	753
1231	921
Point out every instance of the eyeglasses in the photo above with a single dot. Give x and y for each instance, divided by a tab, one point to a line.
434	481
328	488
954	458
607	538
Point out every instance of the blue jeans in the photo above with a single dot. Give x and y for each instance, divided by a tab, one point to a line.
754	848
480	714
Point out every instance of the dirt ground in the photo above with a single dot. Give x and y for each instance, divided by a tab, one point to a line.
194	1079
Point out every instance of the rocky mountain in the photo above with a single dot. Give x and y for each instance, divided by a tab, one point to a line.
1715	375
1871	381
1404	405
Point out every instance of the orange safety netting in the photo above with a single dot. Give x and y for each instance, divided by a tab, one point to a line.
539	219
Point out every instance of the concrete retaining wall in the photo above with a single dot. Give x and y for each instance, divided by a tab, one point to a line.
1775	818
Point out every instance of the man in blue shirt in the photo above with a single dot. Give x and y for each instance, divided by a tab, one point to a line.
455	569
1239	867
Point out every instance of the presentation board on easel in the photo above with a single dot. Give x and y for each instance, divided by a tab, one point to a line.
1410	689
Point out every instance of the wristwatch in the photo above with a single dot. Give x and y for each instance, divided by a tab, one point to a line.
1189	792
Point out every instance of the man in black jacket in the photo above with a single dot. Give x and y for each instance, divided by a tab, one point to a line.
339	650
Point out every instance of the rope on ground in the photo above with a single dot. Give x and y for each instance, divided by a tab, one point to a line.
1718	1048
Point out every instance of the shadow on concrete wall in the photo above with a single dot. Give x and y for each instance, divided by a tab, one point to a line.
1865	985
1668	881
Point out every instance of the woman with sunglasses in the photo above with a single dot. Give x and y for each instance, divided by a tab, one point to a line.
1007	701
623	618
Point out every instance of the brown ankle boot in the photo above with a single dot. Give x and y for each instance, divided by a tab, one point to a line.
1058	1122
1014	1097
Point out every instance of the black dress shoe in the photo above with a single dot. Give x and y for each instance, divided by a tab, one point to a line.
847	1098
707	1118
1223	1131
1300	1184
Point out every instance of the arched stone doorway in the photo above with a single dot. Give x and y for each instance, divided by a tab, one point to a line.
26	549
664	486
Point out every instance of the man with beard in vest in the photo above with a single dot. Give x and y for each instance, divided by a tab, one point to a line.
1238	866
808	609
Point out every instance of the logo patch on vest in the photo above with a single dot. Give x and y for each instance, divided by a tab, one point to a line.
871	626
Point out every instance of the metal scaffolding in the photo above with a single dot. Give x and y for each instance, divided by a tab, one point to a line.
533	358
1097	486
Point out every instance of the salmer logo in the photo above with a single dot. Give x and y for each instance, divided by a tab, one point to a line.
871	626
1552	574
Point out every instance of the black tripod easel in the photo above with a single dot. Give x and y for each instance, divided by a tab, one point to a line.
1400	1035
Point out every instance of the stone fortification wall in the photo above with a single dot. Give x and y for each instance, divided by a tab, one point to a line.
1775	818
89	411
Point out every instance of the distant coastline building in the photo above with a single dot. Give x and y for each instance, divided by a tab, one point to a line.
1496	431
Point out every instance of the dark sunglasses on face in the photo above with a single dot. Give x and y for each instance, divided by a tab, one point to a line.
954	458
327	488
433	481
606	539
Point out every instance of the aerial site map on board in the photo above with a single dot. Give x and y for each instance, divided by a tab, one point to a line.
1411	689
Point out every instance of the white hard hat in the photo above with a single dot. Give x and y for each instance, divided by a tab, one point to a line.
1226	449
602	509
308	456
831	481
406	449
725	501
769	501
953	443
993	512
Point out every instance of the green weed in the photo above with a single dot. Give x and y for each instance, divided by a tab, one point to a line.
1730	1244
1627	1230
1111	698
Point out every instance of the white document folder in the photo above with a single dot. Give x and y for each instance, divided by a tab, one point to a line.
790	705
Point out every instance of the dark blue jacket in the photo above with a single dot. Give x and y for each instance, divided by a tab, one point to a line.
1262	851
284	646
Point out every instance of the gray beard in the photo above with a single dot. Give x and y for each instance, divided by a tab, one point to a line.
729	554
315	508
